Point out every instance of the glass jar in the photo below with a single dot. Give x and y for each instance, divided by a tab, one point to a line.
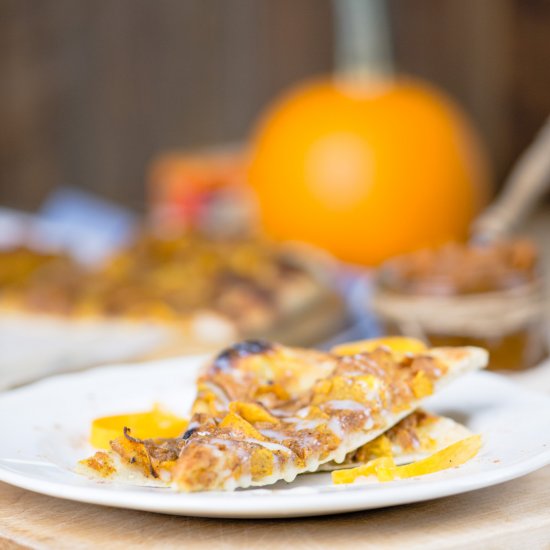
490	296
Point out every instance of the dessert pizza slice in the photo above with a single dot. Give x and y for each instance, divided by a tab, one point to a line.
259	419
417	436
257	396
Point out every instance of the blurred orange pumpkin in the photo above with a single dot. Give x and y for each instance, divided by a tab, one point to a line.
367	172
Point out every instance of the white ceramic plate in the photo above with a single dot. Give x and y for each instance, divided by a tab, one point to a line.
35	346
44	427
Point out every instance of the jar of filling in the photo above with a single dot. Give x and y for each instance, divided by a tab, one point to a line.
490	296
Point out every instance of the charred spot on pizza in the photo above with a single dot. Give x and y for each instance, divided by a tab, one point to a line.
188	433
241	349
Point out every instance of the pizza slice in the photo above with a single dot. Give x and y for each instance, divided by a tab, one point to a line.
247	443
417	436
265	412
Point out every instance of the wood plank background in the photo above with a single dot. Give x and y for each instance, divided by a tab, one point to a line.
90	90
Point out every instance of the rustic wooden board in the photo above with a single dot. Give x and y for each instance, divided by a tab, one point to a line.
517	512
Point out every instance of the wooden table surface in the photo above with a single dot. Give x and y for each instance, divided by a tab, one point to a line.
512	515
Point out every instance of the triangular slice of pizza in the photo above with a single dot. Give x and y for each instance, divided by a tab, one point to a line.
417	436
265	412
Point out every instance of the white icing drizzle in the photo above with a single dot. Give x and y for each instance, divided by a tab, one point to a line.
274	434
269	445
218	392
369	423
335	426
345	405
291	419
309	424
215	441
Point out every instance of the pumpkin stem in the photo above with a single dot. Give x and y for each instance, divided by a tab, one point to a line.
363	41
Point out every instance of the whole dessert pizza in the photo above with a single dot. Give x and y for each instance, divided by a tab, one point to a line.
164	296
